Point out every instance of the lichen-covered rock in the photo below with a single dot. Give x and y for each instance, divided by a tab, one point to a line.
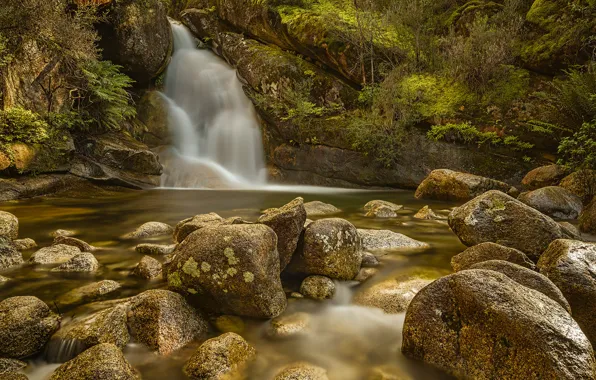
148	268
9	225
26	324
88	293
496	217
9	256
318	208
83	262
481	324
392	296
185	227
449	185
150	229
587	219
155	249
331	248
230	269
382	209
571	264
223	357
101	362
24	244
426	213
384	239
526	277
489	251
553	201
55	254
543	176
80	244
318	287
11	365
288	326
164	321
288	223
301	371
581	183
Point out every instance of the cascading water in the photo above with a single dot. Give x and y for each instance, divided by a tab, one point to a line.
216	136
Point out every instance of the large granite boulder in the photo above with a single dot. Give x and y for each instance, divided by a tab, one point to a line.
587	219
481	324
489	251
449	185
553	201
9	256
543	176
571	264
9	225
496	217
26	324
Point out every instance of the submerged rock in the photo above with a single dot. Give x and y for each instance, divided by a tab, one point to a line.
489	251
392	296
496	217
587	219
223	357
150	229
55	254
288	223
26	324
449	185
365	274
544	176
387	372
103	361
318	287
553	201
148	268
9	225
481	324
67	240
288	326
83	262
230	269
301	371
88	293
24	244
385	239
63	233
318	208
382	209
229	323
426	213
155	249
4	280
9	256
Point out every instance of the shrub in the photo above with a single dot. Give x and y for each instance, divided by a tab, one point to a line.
575	95
579	151
467	133
21	125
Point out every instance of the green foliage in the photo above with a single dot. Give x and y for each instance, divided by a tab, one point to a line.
575	96
511	84
21	125
579	151
467	133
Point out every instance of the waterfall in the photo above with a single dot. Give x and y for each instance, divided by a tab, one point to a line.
216	136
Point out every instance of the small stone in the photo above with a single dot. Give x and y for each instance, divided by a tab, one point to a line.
318	287
296	295
67	240
83	262
229	323
88	293
150	229
9	225
24	244
426	213
385	239
148	268
391	296
369	260
63	233
317	208
155	249
288	326
56	254
302	371
365	274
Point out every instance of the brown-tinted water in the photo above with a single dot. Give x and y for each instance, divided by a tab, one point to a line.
346	339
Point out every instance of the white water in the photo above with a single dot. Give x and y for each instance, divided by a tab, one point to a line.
216	136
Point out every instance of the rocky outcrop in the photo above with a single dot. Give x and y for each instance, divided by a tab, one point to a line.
587	219
9	226
481	324
43	184
489	251
375	240
55	254
318	287
148	268
553	201
582	183
543	176
449	185
392	296
149	230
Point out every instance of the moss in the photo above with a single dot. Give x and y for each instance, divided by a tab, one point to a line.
174	280
466	133
191	267
512	85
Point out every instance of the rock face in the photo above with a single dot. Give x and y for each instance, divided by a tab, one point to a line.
26	324
67	240
391	296
382	209
103	361
449	185
55	254
318	287
150	229
83	262
496	217
317	208
148	268
9	225
544	176
481	324
570	265
9	256
288	223
224	357
88	293
302	371
384	239
331	248
553	201
587	219
164	321
230	269
489	251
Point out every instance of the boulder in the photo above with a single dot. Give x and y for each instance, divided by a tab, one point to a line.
26	324
301	371
9	225
582	183
67	240
392	296
148	268
526	277
570	265
481	324
384	239
11	365
83	262
164	321
9	256
88	293
571	230
318	287
103	361
230	269
24	244
382	209
496	217
553	201
223	357
55	254
449	185
587	219
288	223
155	249
331	248
185	227
489	251
426	213
149	230
318	208
288	326
550	175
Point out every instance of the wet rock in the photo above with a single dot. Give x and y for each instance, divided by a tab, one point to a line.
9	256
301	371
385	239
155	249
526	277
553	201
481	324
150	229
496	217
318	287
88	293
103	361
571	264
318	208
331	248
55	254
489	251
587	219
11	365
571	230
152	111
9	225
223	357
229	323
288	326
187	226
83	262
449	185
307	222
148	268
369	260
582	183
24	244
392	296
63	233
67	240
543	176
288	223
382	209
230	269
365	274
164	321
26	324
426	213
